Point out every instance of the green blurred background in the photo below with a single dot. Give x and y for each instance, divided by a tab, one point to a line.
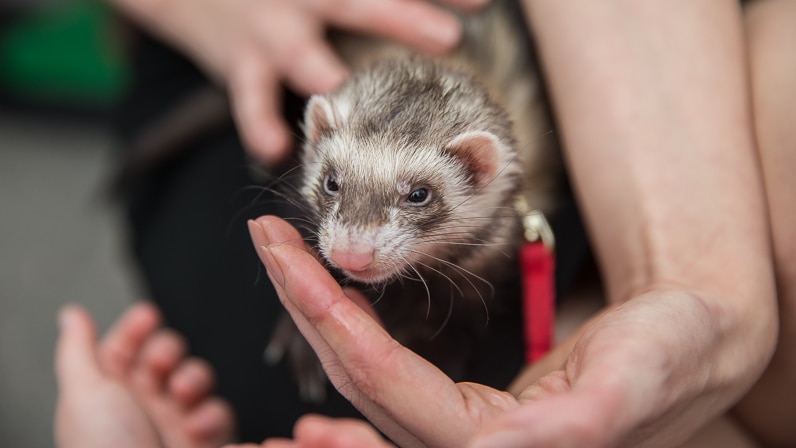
64	53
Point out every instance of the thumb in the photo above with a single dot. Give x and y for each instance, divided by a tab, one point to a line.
75	351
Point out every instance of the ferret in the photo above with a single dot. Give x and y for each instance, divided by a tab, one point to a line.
411	173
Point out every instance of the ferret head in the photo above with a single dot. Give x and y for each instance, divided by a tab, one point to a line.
408	164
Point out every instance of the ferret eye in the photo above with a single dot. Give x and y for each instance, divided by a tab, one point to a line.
421	196
330	185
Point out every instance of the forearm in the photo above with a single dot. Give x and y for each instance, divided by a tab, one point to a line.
652	103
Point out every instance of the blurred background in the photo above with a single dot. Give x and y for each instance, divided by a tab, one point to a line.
62	66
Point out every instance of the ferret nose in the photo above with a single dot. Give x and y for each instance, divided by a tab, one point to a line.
352	261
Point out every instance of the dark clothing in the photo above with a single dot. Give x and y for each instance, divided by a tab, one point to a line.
187	227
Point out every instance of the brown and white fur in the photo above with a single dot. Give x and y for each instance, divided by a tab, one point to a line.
410	167
411	171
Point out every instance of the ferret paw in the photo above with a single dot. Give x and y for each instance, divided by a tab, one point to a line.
307	370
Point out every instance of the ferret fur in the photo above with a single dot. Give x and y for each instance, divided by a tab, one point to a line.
471	130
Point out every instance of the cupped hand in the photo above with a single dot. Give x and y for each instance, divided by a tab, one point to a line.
401	393
636	375
252	46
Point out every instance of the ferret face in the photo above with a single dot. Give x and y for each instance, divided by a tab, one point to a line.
393	199
382	209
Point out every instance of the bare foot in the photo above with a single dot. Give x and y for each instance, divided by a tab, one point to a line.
160	397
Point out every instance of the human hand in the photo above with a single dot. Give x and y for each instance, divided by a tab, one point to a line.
254	46
635	375
135	388
314	431
401	393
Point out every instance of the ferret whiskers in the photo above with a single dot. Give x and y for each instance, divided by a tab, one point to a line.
428	291
462	271
442	274
447	318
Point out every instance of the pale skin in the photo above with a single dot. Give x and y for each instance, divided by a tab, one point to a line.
660	141
134	388
252	47
768	410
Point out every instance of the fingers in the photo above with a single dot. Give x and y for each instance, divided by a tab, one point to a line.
121	345
552	422
276	239
315	430
363	302
296	44
416	23
323	432
378	375
211	421
257	104
313	67
275	443
175	392
75	354
159	357
627	377
192	382
288	45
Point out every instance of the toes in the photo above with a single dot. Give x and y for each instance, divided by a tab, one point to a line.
211	422
121	345
191	382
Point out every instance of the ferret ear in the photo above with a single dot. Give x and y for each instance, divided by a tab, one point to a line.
480	152
319	118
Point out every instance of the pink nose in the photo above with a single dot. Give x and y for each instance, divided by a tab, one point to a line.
352	261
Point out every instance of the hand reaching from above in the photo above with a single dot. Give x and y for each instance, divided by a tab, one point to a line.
253	46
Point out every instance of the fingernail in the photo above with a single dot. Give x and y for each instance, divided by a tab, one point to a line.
275	233
272	266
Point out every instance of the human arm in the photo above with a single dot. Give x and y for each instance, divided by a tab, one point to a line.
252	47
653	106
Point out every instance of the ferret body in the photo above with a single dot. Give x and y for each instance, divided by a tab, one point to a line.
412	169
